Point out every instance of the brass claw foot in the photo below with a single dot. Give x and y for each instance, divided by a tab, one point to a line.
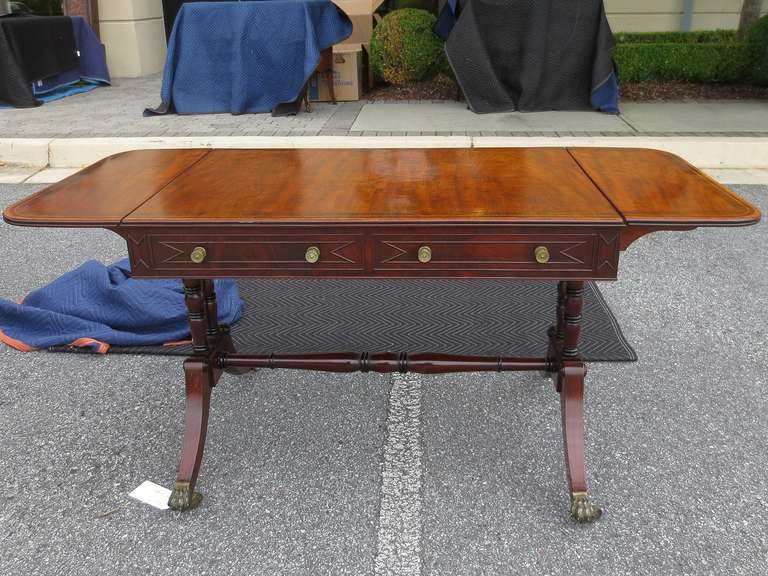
582	508
182	498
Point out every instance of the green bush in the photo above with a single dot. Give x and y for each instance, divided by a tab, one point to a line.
44	6
756	48
681	61
404	48
421	4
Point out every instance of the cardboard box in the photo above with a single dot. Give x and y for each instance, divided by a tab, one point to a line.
349	77
361	14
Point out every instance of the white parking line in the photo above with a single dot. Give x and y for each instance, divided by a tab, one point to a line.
399	536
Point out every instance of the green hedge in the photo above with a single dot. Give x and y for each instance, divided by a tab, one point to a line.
756	48
698	37
681	62
44	6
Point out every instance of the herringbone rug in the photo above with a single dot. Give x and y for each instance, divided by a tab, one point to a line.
475	317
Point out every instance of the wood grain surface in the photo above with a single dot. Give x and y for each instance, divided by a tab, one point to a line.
656	187
102	194
510	186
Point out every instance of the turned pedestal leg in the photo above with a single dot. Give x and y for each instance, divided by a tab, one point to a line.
570	385
556	334
218	335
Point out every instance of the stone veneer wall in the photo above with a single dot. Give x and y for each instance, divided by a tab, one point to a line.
667	15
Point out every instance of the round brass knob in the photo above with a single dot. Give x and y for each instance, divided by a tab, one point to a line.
541	253
312	255
425	254
198	255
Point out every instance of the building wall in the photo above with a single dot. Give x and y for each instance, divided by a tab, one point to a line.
667	15
133	35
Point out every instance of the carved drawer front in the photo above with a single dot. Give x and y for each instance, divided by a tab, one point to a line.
539	254
290	253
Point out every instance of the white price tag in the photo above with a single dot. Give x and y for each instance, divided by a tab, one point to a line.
152	494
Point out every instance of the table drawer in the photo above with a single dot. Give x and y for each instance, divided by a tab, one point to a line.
294	253
481	254
371	252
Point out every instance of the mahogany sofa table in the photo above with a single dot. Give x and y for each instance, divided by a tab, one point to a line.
563	214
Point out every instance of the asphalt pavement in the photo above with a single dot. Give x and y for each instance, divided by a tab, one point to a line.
312	473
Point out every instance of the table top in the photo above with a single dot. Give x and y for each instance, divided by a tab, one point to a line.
520	186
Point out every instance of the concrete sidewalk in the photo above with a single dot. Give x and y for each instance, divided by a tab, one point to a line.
77	131
733	118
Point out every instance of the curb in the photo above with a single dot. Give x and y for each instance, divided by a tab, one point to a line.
704	152
25	151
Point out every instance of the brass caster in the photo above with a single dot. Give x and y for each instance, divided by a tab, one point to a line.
582	508
182	498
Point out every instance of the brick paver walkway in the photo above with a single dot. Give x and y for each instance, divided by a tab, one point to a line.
116	111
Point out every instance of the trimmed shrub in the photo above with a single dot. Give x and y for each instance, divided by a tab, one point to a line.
404	48
697	37
756	48
44	6
704	56
421	4
681	62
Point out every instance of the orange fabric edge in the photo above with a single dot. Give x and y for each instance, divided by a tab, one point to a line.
178	343
13	343
101	348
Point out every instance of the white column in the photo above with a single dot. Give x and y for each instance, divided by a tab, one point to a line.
132	32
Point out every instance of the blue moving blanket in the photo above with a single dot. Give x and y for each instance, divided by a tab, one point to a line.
244	57
98	306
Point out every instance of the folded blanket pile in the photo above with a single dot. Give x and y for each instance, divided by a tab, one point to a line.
97	306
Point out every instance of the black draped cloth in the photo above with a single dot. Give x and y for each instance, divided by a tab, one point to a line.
33	48
171	10
531	54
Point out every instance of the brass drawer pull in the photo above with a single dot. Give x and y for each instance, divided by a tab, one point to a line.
312	255
425	254
198	255
541	253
